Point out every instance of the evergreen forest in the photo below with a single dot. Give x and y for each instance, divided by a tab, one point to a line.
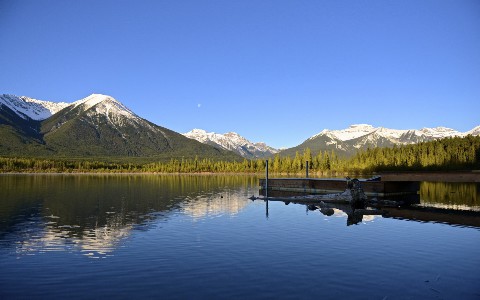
440	155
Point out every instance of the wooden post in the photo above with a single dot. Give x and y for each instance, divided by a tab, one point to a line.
306	169
266	178
266	208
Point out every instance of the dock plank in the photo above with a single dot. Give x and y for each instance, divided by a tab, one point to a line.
325	186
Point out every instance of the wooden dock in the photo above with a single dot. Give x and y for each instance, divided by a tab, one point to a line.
329	186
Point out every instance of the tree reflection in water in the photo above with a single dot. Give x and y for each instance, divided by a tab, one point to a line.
450	203
94	213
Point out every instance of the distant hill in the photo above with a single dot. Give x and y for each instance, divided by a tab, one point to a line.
96	126
347	141
232	141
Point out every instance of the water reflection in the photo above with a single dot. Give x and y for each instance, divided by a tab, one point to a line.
452	195
37	235
346	211
215	205
352	215
440	202
194	237
93	214
451	203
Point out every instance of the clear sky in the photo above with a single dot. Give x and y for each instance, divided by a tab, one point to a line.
273	71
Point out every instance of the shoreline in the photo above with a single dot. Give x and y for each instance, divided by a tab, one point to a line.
472	176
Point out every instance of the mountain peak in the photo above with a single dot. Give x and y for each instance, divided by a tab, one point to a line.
233	135
360	126
197	131
93	100
104	104
352	132
440	132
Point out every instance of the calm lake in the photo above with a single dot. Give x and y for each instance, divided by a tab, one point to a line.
200	237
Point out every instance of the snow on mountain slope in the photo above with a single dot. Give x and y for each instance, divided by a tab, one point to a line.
395	135
104	104
31	108
100	110
115	112
265	148
232	141
440	132
40	110
474	131
361	136
352	132
96	109
97	125
103	110
94	105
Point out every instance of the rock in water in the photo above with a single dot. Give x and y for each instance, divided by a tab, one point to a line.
358	195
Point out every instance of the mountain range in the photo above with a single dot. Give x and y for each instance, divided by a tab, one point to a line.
100	126
362	136
96	126
344	142
233	142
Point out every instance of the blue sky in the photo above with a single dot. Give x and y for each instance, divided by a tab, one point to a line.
273	71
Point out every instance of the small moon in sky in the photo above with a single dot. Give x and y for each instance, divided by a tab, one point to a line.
198	105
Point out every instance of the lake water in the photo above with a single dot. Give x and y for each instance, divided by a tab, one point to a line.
200	237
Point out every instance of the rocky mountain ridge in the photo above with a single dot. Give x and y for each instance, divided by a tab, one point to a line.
96	126
232	141
362	136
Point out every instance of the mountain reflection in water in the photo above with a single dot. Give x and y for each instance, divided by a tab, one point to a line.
92	214
200	237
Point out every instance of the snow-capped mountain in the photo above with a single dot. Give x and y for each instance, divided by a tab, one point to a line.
396	136
232	141
97	125
97	106
362	136
475	131
39	110
100	125
106	105
34	109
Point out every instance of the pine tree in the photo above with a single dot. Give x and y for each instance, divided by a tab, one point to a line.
297	163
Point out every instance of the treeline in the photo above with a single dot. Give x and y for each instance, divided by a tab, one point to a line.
206	165
36	165
446	154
